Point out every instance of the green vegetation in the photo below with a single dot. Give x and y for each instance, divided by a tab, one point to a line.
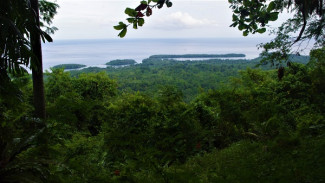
21	31
247	161
190	76
153	74
246	126
305	24
119	62
261	125
199	56
69	66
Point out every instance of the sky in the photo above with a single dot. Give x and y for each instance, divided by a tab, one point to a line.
94	19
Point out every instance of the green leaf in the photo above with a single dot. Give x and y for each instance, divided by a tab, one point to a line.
245	33
122	33
140	21
246	3
234	17
234	24
47	37
262	30
144	2
271	6
120	26
131	12
169	4
274	16
135	25
241	26
130	20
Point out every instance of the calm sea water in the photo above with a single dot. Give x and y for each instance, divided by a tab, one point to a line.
98	52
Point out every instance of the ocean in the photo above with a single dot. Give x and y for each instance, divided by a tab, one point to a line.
98	52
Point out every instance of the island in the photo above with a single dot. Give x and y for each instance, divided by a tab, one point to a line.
199	56
120	62
69	66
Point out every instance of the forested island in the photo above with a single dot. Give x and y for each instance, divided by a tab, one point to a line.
69	66
199	56
120	62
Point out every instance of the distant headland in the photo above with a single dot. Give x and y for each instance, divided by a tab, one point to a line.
69	66
199	56
120	62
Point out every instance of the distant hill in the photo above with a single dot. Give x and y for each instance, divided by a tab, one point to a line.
303	59
121	62
69	66
199	56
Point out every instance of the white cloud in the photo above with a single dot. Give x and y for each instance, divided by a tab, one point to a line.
94	19
182	20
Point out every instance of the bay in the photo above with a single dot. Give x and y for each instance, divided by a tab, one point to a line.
97	52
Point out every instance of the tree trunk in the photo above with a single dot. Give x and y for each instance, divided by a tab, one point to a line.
37	67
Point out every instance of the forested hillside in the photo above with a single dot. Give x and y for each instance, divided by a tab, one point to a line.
164	120
189	76
204	121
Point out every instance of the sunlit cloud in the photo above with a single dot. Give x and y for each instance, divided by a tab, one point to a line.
183	20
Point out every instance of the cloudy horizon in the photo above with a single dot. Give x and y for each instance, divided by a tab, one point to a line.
84	19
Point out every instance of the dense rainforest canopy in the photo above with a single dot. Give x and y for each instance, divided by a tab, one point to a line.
164	120
209	123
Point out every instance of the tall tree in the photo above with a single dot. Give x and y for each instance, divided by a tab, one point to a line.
37	65
20	42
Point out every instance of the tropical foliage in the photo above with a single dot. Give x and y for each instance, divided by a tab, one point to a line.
254	127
